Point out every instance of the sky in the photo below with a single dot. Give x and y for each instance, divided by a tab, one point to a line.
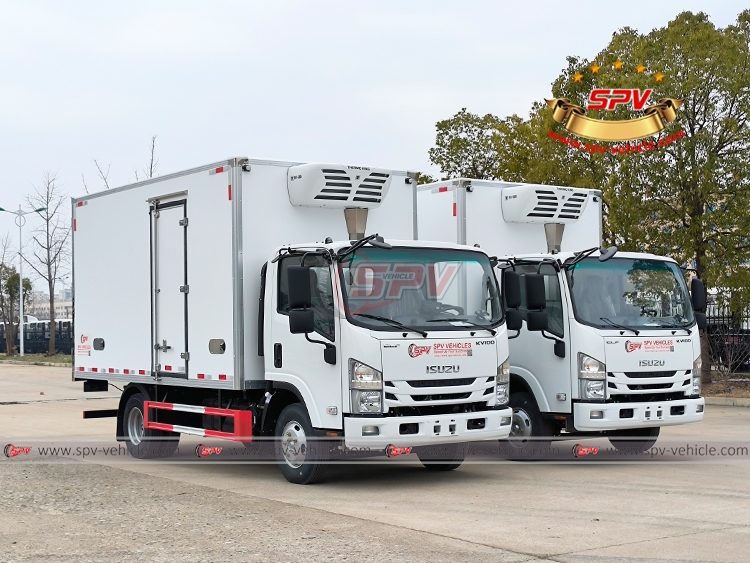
329	81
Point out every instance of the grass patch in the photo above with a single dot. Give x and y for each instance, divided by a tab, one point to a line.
31	358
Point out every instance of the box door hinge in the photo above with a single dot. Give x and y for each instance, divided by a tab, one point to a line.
184	222
185	288
185	356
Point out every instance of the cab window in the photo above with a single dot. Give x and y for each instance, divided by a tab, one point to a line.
321	291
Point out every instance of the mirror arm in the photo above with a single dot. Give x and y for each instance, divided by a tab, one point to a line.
516	335
550	337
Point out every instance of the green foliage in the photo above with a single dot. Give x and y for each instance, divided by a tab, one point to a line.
688	200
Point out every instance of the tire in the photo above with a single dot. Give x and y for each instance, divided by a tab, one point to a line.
145	443
530	434
302	461
442	458
636	440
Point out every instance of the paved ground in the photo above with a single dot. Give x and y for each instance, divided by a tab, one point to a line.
645	512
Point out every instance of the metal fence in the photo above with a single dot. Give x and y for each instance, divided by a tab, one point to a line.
728	334
37	335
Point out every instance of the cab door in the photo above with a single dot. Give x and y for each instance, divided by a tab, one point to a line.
532	355
293	358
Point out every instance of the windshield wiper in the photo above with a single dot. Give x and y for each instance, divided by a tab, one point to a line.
468	322
675	325
374	240
391	322
611	322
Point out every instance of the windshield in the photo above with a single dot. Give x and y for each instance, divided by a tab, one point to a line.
632	293
420	288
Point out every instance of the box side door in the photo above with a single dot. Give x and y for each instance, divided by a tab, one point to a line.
170	288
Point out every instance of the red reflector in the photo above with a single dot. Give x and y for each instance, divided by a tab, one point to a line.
81	369
141	372
94	369
126	371
168	368
222	376
111	370
74	224
442	189
229	191
454	209
219	170
201	376
79	204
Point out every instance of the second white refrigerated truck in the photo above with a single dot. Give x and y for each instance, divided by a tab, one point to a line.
245	299
620	353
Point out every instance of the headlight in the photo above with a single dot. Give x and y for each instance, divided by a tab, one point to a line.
697	365
367	401
362	376
589	368
366	384
592	389
502	383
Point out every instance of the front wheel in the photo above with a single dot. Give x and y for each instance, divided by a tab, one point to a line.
530	434
446	457
145	443
636	440
301	458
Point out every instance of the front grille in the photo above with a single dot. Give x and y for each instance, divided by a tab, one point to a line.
441	382
441	397
646	397
637	374
431	410
649	387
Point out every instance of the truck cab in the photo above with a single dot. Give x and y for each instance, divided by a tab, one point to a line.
390	343
630	360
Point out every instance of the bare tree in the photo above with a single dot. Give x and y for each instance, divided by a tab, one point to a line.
153	162
102	174
50	240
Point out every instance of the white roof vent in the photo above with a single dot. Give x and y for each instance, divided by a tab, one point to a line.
337	186
537	203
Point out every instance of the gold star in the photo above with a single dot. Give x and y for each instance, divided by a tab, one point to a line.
659	77
618	64
595	68
640	69
577	77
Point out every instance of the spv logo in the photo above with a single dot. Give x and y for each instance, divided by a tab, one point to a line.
416	351
610	98
632	346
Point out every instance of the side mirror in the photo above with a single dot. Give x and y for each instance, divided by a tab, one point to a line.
536	297
513	319
301	321
299	282
701	321
536	321
512	289
698	295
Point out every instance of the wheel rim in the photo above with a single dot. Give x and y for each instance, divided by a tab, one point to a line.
520	428
294	444
135	426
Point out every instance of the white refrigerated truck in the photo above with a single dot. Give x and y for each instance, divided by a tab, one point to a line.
244	299
620	354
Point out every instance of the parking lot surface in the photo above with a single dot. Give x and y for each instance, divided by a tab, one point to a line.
79	510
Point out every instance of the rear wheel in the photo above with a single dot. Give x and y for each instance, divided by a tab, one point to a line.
301	458
530	434
636	440
145	443
446	457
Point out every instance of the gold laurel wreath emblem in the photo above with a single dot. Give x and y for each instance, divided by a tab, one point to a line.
574	119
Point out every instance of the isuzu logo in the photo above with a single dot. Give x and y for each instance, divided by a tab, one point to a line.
632	346
416	351
443	369
651	363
